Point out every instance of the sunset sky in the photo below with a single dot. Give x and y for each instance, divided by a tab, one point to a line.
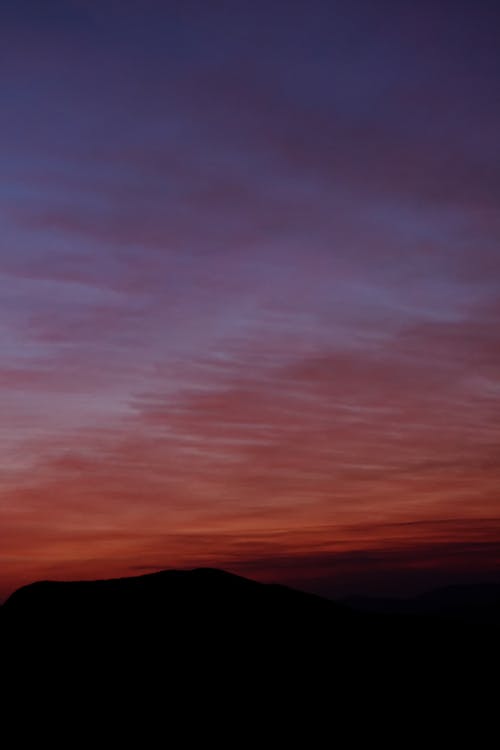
250	290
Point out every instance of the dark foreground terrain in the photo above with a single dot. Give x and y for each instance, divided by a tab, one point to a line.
206	612
208	637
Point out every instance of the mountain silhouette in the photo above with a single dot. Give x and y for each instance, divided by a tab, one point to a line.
208	643
201	609
201	622
200	603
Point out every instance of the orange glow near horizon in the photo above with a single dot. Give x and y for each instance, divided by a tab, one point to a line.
289	473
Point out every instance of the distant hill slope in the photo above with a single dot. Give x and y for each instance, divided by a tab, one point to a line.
475	603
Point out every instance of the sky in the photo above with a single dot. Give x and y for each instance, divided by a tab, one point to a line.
250	290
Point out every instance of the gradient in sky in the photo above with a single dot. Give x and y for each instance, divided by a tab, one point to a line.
250	290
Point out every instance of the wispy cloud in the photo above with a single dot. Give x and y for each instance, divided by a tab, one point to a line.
249	274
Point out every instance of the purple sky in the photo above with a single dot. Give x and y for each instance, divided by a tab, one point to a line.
250	289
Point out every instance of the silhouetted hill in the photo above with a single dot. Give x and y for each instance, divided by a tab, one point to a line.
198	604
212	598
206	643
172	595
211	625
